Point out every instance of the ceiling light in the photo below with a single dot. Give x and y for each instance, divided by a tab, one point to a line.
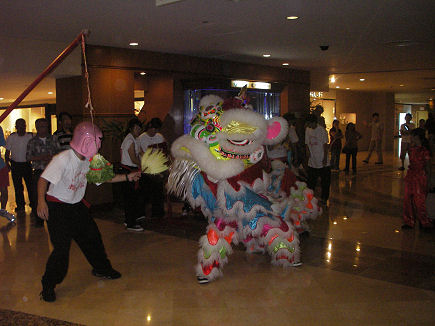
266	55
292	17
401	85
143	73
347	88
332	79
50	93
285	64
2	98
337	86
362	79
134	44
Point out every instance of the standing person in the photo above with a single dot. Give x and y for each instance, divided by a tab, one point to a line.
153	185
430	128
351	146
15	156
417	182
4	175
405	132
293	139
130	163
376	139
316	140
40	150
67	215
335	135
318	111
64	134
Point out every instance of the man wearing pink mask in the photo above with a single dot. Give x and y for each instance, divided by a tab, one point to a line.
67	215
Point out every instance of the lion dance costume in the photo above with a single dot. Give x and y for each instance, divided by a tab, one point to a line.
222	167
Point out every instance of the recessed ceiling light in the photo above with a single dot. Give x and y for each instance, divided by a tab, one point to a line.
134	44
285	64
266	55
401	85
332	79
2	98
143	73
347	88
50	93
337	86
362	79
292	17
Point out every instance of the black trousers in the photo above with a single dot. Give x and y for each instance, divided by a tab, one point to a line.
68	222
35	177
153	190
325	180
353	155
132	199
20	171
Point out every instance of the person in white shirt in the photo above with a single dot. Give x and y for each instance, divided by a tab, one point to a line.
376	139
405	133
67	214
130	151
153	185
316	141
15	157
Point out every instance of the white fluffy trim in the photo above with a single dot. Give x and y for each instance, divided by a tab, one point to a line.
189	148
214	274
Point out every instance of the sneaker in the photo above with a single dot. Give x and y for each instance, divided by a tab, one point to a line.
202	280
296	264
47	294
365	161
110	274
136	228
6	214
141	218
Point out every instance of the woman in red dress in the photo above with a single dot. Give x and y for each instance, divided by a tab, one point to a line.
416	182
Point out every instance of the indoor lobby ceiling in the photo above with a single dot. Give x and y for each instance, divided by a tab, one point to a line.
388	43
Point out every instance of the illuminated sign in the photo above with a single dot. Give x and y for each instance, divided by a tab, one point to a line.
249	84
316	94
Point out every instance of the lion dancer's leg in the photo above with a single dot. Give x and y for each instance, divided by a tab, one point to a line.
282	244
215	246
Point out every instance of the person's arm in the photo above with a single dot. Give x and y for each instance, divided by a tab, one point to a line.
133	156
42	204
133	176
428	170
8	159
325	154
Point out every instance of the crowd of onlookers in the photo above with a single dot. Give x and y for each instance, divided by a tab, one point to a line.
310	150
27	156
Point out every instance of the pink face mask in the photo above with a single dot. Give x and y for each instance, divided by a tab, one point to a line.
86	139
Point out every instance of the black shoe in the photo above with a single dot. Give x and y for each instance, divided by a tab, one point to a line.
379	163
401	168
365	161
110	274
47	294
20	209
406	226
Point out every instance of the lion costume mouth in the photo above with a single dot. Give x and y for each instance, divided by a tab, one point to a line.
243	142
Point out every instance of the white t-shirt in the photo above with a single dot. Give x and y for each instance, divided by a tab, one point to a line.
292	135
67	176
17	145
125	157
145	141
315	139
377	130
406	138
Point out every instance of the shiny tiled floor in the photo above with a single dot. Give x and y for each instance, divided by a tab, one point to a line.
359	268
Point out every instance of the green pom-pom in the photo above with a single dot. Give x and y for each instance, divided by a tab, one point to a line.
100	170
